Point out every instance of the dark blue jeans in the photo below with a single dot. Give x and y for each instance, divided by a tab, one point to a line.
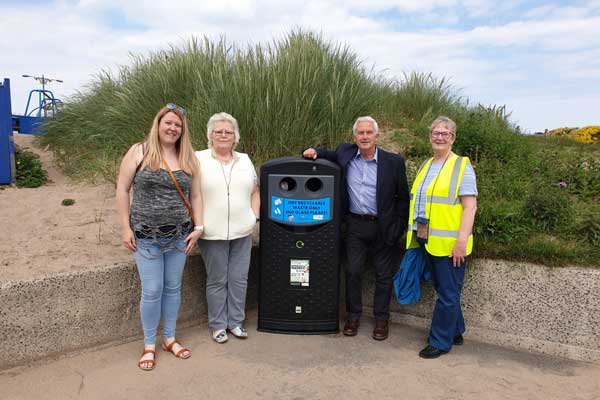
447	320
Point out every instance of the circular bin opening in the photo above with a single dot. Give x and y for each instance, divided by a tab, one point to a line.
314	184
287	184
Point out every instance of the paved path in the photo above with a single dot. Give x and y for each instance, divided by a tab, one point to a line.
269	366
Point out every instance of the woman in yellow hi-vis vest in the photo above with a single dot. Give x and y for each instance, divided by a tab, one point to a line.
442	210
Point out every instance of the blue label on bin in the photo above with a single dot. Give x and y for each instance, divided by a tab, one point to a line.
301	211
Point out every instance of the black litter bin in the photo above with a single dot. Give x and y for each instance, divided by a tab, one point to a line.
299	246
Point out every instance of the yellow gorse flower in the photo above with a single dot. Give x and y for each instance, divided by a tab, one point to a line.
560	132
587	134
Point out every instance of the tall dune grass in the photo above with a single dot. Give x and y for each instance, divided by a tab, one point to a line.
418	98
293	93
287	95
303	91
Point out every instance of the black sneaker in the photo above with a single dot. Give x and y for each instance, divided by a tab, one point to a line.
431	352
458	340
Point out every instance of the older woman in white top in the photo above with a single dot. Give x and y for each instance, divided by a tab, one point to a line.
229	188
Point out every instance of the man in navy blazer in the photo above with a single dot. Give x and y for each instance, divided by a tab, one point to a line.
375	204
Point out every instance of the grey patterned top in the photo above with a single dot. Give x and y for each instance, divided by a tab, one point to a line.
157	209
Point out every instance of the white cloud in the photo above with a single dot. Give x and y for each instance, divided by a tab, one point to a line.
561	13
494	63
400	5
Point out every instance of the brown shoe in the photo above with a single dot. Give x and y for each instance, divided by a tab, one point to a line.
381	330
351	327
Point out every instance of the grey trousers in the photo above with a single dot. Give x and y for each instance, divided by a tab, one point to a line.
227	263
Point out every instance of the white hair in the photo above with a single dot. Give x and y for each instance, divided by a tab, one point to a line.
365	119
222	117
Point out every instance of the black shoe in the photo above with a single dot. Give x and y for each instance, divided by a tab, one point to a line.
458	340
431	352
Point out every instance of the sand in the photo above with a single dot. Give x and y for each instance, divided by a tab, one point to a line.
40	236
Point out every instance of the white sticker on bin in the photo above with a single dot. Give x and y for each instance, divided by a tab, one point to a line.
299	272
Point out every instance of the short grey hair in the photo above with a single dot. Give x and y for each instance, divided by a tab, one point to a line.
222	117
365	119
451	125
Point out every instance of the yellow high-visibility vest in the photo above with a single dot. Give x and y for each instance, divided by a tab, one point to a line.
442	208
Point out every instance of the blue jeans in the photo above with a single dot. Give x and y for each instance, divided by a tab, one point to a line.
160	264
447	320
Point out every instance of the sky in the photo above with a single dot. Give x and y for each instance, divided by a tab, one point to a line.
540	59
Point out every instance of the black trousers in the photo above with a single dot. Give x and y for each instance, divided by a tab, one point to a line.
363	242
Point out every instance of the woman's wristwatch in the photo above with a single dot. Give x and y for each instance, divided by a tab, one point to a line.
199	228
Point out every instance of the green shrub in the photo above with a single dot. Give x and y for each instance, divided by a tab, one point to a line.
30	172
486	133
588	226
582	176
500	221
575	164
549	207
498	181
413	145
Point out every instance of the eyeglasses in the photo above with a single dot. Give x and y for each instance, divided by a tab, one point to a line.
173	106
443	135
223	133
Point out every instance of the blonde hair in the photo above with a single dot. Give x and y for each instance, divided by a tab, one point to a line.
185	153
222	117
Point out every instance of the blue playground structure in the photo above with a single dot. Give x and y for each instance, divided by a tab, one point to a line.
29	123
7	146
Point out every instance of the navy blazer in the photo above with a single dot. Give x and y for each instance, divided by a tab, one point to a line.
392	189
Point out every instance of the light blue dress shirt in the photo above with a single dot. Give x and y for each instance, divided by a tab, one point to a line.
362	184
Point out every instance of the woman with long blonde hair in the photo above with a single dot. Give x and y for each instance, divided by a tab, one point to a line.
163	222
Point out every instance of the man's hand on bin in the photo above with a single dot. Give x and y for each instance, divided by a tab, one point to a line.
310	153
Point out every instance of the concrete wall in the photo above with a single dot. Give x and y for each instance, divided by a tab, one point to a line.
525	306
71	311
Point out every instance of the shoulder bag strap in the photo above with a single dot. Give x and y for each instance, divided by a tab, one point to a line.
144	153
185	200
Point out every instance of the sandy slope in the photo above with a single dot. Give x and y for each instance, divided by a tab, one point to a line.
39	236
